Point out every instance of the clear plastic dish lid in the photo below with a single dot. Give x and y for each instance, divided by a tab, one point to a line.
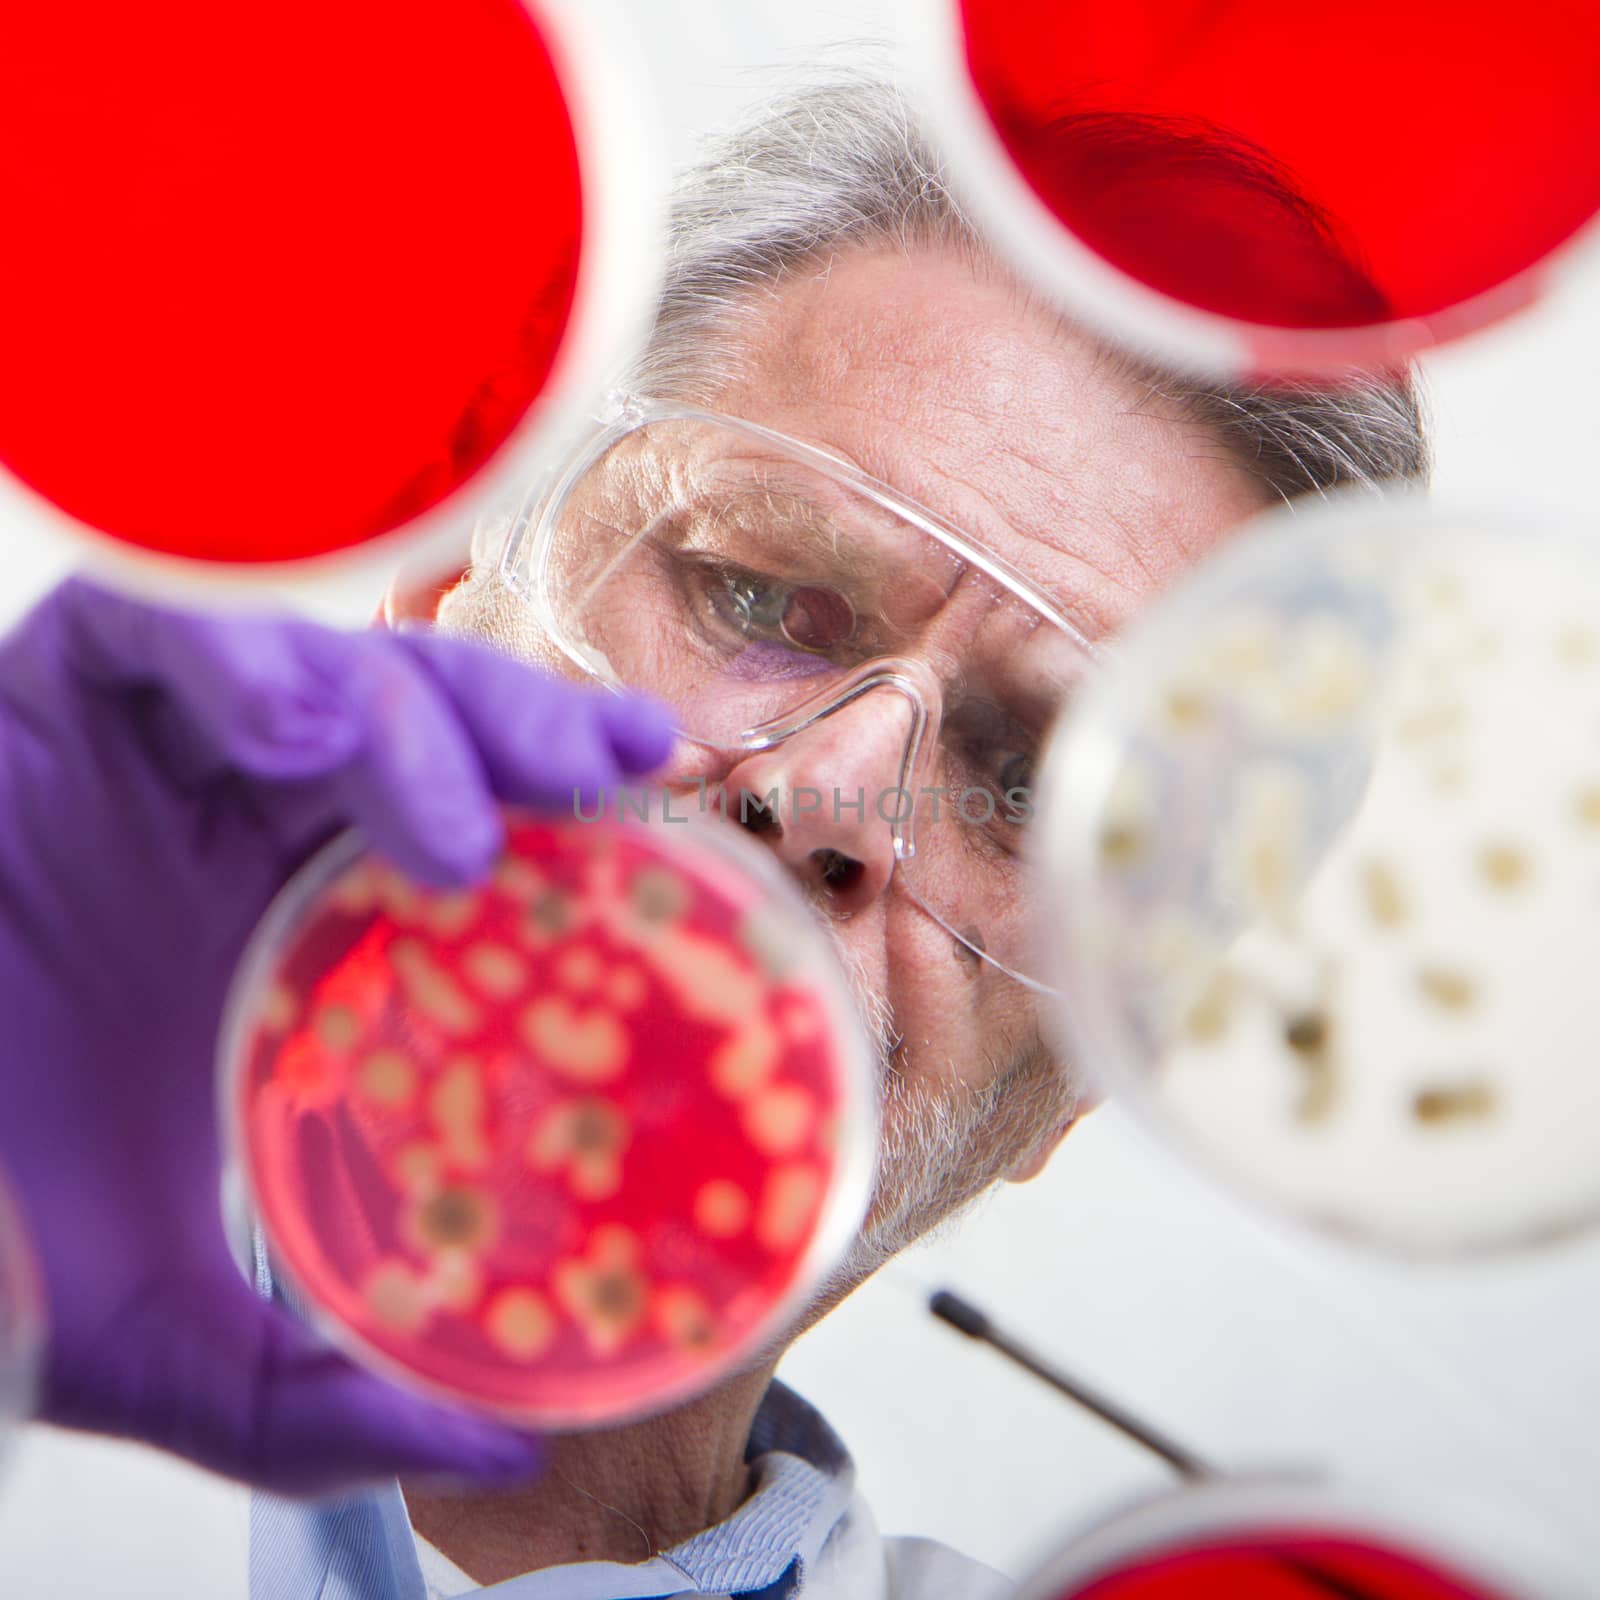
569	1147
1288	1539
22	1326
1235	187
310	282
1323	854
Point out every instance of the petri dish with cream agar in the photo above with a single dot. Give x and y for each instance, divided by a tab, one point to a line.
1323	847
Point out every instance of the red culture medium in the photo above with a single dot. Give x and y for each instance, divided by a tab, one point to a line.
276	279
1281	1564
560	1146
1444	146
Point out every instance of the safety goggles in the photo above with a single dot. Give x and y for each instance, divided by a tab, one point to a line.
856	667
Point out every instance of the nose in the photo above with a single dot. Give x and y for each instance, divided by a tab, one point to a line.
825	799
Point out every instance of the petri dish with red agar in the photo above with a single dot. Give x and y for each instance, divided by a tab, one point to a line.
283	283
567	1147
1323	847
1262	1539
1242	188
22	1318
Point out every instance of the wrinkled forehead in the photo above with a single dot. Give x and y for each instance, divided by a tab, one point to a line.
940	375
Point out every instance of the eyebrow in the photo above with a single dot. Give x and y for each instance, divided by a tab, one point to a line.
819	531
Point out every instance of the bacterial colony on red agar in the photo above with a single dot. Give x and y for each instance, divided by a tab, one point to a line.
278	280
1280	1564
1438	151
562	1147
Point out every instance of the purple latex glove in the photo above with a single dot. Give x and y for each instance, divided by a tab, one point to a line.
161	775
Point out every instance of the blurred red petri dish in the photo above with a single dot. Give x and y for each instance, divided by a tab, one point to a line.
1280	1564
277	280
22	1317
565	1148
1382	178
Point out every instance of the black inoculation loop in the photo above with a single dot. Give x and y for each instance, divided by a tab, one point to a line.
965	1316
968	1319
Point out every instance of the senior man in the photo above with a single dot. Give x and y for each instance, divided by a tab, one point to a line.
860	518
860	515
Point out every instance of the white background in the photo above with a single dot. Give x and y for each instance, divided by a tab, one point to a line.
1249	1340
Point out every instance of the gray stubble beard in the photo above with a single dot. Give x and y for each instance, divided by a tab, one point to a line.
942	1144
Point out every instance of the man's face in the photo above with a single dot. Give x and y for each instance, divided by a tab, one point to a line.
964	394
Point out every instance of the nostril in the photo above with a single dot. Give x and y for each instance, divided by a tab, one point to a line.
838	871
757	817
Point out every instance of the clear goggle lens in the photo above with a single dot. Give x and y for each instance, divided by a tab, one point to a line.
770	598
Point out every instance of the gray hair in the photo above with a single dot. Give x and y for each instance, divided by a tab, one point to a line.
842	162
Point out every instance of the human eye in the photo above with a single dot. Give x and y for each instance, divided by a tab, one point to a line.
1015	779
749	603
1009	772
995	757
761	609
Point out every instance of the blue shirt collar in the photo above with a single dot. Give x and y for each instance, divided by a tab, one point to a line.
361	1547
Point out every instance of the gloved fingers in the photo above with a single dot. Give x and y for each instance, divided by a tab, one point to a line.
205	1368
640	731
417	786
542	739
238	690
323	1424
349	722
